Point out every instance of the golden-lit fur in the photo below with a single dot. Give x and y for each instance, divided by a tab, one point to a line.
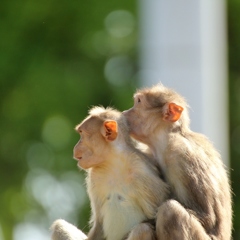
124	188
192	167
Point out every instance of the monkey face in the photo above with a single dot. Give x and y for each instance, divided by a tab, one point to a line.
88	150
97	135
137	118
154	110
83	154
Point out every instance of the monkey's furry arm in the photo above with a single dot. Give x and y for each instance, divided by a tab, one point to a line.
62	230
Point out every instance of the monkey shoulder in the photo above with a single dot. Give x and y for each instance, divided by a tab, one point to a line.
134	177
123	177
193	146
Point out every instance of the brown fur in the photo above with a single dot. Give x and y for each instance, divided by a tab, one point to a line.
191	166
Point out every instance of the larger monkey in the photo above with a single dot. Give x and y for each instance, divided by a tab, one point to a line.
192	167
124	188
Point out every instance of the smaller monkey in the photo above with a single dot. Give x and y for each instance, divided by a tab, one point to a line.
124	188
201	205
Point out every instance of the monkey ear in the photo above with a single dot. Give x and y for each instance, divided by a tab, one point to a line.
172	112
110	130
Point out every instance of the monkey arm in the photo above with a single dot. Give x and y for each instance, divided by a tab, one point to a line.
198	179
62	230
96	232
152	192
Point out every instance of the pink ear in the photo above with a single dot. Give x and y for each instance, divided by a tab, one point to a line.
172	112
110	130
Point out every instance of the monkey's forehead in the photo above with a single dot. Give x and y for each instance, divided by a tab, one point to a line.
88	123
151	98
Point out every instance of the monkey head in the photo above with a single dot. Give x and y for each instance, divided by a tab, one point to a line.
154	109
98	132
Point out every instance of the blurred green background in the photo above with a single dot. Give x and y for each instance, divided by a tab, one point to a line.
57	60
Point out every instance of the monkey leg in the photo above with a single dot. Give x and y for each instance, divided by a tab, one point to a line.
62	230
142	231
175	222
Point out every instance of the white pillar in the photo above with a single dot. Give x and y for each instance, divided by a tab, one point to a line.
183	45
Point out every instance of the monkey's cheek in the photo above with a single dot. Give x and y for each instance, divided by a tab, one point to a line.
128	114
134	123
131	127
85	161
133	130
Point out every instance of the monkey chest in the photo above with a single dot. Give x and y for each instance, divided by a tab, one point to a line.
120	214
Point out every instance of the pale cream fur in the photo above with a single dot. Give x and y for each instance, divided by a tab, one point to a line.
123	186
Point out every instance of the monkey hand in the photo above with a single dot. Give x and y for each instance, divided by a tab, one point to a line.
62	230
